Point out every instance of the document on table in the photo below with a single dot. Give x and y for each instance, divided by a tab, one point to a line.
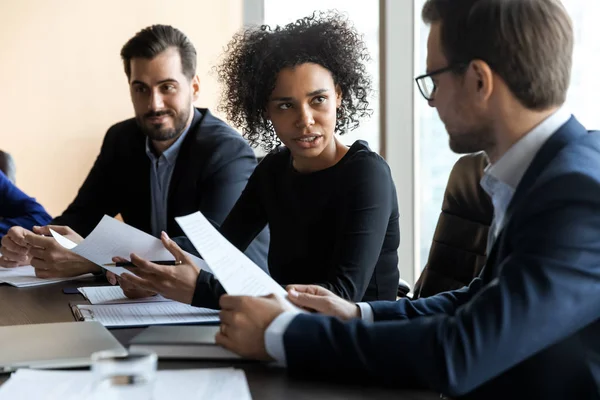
214	383
144	314
236	272
112	238
25	277
114	295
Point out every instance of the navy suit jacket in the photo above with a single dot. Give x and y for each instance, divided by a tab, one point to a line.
18	209
527	327
212	169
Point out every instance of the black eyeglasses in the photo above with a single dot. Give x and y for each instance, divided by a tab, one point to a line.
427	85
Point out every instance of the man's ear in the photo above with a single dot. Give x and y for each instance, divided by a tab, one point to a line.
195	87
482	76
338	96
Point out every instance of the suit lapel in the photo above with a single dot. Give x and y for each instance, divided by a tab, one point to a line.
137	178
571	130
185	160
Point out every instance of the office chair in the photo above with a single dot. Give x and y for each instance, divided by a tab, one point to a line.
458	248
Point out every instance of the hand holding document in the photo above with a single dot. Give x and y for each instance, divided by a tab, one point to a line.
113	238
236	272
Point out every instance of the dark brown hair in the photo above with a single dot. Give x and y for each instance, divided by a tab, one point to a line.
528	43
153	40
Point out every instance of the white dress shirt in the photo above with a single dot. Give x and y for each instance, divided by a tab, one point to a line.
499	181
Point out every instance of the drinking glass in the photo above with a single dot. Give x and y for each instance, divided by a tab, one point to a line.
119	377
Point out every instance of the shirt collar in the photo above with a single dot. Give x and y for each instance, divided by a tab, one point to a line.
171	153
511	167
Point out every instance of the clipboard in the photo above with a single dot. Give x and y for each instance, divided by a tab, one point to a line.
81	314
140	314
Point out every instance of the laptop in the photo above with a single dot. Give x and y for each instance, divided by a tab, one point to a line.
56	345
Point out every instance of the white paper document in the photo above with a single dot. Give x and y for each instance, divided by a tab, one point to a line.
25	277
236	272
216	383
112	238
144	314
114	295
62	240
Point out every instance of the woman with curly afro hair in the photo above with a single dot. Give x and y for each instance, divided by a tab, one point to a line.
331	209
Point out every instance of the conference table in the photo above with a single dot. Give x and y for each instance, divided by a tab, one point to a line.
48	303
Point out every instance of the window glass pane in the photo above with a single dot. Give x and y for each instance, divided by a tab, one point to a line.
364	14
434	157
435	160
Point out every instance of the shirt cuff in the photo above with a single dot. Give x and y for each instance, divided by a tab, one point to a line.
274	337
366	312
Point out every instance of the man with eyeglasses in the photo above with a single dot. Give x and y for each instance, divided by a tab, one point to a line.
528	326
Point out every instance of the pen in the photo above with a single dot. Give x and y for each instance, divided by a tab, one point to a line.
130	264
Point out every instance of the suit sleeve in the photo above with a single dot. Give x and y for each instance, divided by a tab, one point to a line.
368	206
551	275
18	209
96	196
441	303
243	224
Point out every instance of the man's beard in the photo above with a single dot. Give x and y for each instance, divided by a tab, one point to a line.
471	142
473	134
159	132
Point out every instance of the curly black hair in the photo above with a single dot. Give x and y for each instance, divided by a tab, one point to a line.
254	57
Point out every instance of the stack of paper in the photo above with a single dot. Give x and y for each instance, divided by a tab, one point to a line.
114	295
144	314
113	309
222	383
25	277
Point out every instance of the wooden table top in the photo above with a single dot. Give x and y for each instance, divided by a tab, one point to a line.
45	304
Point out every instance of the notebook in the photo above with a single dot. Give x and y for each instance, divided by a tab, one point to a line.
196	342
56	345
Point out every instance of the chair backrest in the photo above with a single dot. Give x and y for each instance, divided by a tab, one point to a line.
458	249
7	165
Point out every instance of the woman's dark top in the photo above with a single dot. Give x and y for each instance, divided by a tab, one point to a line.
337	228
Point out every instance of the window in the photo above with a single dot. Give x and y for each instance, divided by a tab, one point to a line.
434	158
364	15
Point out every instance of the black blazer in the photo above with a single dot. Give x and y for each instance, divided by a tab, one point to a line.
212	168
